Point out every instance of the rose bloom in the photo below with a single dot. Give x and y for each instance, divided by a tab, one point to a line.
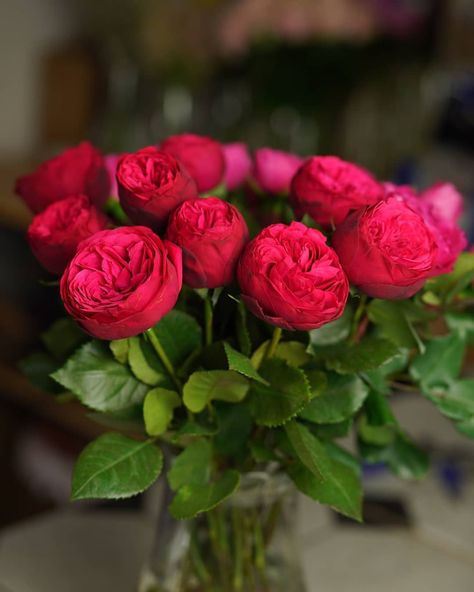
291	278
445	200
328	189
274	169
77	170
54	234
212	234
121	282
238	164
449	238
151	185
386	249
202	157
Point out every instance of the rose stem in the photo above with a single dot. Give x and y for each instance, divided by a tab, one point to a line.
208	319
357	317
274	342
155	342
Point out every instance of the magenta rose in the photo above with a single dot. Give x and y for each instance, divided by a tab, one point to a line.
387	249
121	282
151	185
212	234
449	238
274	169
77	170
111	163
238	164
202	157
328	189
445	201
290	278
55	233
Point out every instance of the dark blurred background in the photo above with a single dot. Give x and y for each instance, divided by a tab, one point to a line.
386	83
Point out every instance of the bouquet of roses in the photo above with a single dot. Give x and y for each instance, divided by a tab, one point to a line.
239	316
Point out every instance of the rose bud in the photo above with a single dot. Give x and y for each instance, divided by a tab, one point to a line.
111	163
386	249
151	185
328	189
55	233
121	282
212	234
238	164
445	200
202	157
274	169
77	170
290	278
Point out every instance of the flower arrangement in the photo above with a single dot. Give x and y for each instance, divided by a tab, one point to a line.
240	315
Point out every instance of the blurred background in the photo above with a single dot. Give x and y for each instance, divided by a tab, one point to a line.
388	84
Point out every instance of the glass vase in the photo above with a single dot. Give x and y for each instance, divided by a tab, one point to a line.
246	544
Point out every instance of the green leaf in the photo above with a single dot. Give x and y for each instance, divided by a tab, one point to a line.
322	477
194	499
120	347
449	285
318	382
192	429
179	334
241	364
114	466
235	425
98	380
368	354
158	410
192	466
329	431
463	324
207	385
38	367
293	352
441	362
144	362
456	400
287	394
243	335
343	396
378	379
333	332
63	337
466	428
393	321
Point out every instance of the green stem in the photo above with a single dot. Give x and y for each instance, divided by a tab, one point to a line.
238	578
155	342
357	317
273	343
208	320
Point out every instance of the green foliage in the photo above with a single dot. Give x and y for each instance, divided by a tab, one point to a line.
321	476
144	362
342	397
98	380
286	395
192	466
114	466
446	287
158	410
179	334
350	358
241	364
235	426
395	320
63	337
440	363
205	386
462	323
334	332
120	347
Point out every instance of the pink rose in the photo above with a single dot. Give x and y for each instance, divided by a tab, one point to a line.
151	185
450	239
202	157
55	233
445	200
386	249
111	163
77	170
121	282
238	164
328	189
274	169
212	234
289	277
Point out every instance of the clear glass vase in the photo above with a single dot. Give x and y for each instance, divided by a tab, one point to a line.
246	544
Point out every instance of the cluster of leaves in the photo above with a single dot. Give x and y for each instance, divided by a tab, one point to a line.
242	401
